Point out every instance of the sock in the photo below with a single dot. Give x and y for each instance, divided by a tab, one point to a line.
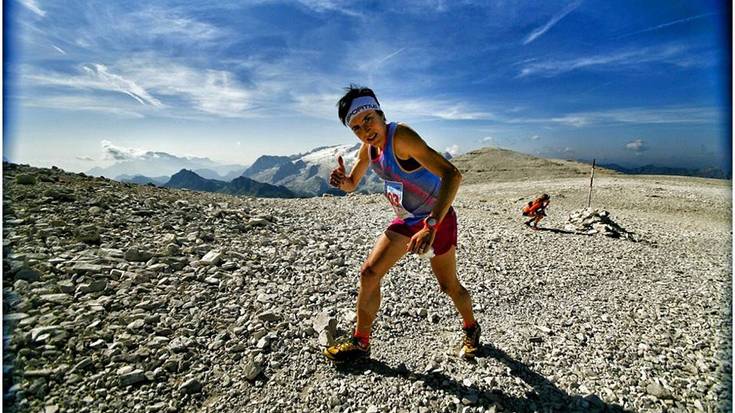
469	326
362	337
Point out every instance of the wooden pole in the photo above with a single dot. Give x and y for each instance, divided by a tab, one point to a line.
592	177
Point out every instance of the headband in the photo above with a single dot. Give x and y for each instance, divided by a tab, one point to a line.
360	105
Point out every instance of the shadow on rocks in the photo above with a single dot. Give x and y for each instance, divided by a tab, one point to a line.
545	396
566	232
562	231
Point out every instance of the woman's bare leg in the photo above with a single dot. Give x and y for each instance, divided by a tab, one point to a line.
445	270
388	249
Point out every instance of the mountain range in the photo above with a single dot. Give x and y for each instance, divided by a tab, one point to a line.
186	179
307	174
157	167
666	170
143	180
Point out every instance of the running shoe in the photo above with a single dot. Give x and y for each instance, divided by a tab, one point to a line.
471	341
348	351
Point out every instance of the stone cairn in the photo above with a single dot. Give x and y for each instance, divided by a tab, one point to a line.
596	221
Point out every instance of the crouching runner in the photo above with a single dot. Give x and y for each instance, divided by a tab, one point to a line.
536	209
420	184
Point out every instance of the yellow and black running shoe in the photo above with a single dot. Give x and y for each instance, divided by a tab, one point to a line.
471	341
348	351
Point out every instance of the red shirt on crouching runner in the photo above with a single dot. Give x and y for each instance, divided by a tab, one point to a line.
420	185
536	209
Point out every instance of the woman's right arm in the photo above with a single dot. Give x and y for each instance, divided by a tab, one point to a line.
358	170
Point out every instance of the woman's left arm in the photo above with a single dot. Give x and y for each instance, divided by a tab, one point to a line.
409	144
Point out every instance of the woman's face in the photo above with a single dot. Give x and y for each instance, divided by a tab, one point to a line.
370	128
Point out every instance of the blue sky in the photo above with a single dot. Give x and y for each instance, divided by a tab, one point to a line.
629	82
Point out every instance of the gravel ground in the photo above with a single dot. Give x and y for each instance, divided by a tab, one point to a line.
131	298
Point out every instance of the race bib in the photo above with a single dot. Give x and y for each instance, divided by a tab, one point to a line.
394	193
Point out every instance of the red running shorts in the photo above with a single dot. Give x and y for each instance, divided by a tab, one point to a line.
446	235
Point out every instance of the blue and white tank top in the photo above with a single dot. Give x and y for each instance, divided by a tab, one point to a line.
411	194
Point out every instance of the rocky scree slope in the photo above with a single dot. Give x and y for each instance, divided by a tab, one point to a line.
121	297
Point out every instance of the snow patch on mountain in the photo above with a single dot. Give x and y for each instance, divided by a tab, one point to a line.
308	173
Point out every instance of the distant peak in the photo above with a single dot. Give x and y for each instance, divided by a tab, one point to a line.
186	172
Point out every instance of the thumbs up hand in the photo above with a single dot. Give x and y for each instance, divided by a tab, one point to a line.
338	177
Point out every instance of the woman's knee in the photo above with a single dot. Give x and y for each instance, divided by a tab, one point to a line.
368	275
452	289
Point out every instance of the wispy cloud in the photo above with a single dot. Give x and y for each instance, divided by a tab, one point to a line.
671	115
111	151
633	115
317	105
83	103
637	146
535	137
329	5
168	23
107	29
324	106
487	139
33	6
96	77
214	92
383	59
116	82
459	112
58	49
119	153
671	23
624	58
84	158
436	109
573	120
538	32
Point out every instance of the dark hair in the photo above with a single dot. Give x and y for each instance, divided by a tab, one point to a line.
545	196
353	92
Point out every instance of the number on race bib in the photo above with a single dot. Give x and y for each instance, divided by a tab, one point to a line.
394	199
394	193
